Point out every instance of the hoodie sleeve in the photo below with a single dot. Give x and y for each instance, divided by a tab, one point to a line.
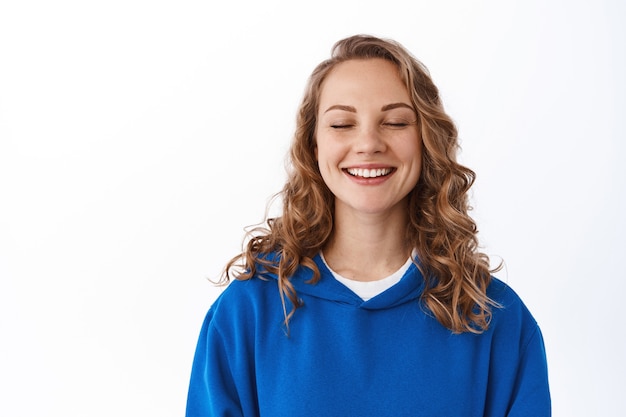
531	395
212	389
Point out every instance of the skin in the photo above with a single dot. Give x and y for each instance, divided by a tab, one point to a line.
366	127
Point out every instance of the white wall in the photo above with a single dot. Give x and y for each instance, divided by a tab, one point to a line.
138	138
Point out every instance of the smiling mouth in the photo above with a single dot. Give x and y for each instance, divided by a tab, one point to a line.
369	173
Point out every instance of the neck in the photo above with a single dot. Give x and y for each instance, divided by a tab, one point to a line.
367	247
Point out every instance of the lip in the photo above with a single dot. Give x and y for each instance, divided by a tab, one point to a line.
369	180
368	166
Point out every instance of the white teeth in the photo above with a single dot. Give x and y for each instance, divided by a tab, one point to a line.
369	173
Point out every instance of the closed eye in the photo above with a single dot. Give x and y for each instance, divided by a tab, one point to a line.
339	126
396	125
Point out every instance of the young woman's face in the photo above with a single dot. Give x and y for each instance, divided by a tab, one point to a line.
368	147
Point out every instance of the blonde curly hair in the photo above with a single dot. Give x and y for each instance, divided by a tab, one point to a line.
457	274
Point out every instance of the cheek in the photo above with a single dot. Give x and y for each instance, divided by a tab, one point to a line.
326	159
410	146
321	149
414	155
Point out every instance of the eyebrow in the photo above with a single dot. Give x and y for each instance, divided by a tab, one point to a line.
351	109
341	107
395	106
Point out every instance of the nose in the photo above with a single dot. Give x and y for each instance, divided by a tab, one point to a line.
369	141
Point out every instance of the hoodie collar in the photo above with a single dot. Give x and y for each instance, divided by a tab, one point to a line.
409	288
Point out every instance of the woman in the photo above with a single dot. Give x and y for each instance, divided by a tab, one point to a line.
368	297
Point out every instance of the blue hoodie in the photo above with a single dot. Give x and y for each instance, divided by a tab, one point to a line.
347	357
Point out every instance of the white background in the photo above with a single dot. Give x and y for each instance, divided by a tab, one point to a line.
139	138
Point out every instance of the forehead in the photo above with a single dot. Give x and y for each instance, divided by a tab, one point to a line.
364	79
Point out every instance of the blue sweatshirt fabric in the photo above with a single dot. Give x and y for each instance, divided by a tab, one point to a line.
347	357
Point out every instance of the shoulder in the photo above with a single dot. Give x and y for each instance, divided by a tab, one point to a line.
510	316
506	297
244	304
239	294
503	294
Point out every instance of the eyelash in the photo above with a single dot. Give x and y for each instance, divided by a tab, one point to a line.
388	124
398	124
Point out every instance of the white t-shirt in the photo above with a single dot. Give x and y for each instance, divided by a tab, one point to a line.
370	289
